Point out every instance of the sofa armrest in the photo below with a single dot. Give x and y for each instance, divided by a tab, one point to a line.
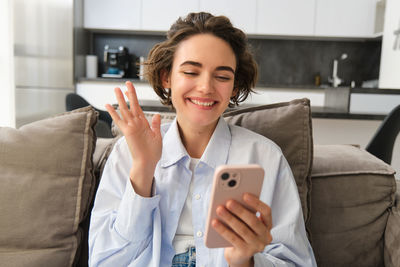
392	233
352	194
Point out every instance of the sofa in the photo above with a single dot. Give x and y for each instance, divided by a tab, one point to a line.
50	170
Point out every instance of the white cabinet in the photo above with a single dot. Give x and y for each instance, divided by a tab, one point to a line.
159	15
285	17
241	13
390	57
345	18
319	18
116	14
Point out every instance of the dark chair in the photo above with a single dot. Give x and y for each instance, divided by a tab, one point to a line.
103	126
383	141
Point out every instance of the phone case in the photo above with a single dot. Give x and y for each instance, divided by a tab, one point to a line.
231	182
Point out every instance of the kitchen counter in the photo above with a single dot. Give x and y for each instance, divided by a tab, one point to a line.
356	90
363	103
316	112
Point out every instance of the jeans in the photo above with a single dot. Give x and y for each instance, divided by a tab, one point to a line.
186	259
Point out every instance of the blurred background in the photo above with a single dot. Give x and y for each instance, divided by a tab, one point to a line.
344	55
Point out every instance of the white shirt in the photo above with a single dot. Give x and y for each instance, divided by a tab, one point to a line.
129	230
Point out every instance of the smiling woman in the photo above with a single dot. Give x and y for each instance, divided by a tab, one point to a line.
152	201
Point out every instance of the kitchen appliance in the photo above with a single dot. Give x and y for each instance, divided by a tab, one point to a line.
116	62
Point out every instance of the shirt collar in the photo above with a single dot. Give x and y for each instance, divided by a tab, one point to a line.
173	149
215	154
217	150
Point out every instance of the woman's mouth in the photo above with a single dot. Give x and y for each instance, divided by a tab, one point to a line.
202	103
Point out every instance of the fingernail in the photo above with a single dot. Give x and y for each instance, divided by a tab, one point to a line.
230	204
220	210
247	197
214	223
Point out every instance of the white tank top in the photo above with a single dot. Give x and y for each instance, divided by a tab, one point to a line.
184	233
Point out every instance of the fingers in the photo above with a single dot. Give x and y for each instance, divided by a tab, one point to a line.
228	234
244	224
114	115
155	123
133	100
261	207
125	113
248	217
237	226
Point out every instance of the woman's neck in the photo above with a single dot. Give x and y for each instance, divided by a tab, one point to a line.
195	139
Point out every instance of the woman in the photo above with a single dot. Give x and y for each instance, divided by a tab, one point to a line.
152	201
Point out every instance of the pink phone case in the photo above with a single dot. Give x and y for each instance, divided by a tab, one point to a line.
247	179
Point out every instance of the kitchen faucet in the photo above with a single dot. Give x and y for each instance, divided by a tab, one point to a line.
335	80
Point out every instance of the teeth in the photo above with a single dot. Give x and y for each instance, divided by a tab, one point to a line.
206	104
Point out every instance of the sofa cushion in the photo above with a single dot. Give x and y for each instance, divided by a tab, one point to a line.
47	183
352	193
288	124
392	233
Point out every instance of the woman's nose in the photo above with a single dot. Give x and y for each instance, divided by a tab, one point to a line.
206	84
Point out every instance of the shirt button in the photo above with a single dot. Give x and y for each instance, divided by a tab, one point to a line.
197	196
199	234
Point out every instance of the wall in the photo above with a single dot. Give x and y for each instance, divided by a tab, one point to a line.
390	61
7	98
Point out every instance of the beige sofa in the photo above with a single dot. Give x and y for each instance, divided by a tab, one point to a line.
50	170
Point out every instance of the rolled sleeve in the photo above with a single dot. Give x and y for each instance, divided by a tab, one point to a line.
135	214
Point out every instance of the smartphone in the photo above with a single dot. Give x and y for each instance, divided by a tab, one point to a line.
231	182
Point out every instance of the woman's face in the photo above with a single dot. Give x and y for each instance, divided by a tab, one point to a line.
201	80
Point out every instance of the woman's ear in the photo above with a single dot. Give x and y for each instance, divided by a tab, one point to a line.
165	79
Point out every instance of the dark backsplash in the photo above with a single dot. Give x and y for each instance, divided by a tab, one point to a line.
281	62
296	62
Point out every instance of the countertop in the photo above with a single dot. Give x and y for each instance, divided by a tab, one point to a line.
356	90
317	111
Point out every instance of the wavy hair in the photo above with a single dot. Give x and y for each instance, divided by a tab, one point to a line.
160	57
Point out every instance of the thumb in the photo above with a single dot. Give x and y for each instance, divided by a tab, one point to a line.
155	123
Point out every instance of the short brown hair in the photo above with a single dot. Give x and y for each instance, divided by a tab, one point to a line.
160	57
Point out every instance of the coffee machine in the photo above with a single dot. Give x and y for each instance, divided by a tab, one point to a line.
116	62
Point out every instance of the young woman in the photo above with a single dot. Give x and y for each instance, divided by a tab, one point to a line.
152	201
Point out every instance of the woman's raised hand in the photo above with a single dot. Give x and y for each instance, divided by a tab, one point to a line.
144	141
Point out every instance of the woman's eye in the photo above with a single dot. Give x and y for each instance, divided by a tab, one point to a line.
190	73
223	78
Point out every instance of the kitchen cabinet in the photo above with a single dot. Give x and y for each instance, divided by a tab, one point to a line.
116	14
345	18
159	15
285	17
390	57
241	13
311	18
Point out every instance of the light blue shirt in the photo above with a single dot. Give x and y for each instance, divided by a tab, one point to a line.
129	230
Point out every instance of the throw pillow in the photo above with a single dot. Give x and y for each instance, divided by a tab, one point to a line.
47	184
288	124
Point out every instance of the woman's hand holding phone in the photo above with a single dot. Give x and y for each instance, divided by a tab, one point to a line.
248	233
144	141
232	220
